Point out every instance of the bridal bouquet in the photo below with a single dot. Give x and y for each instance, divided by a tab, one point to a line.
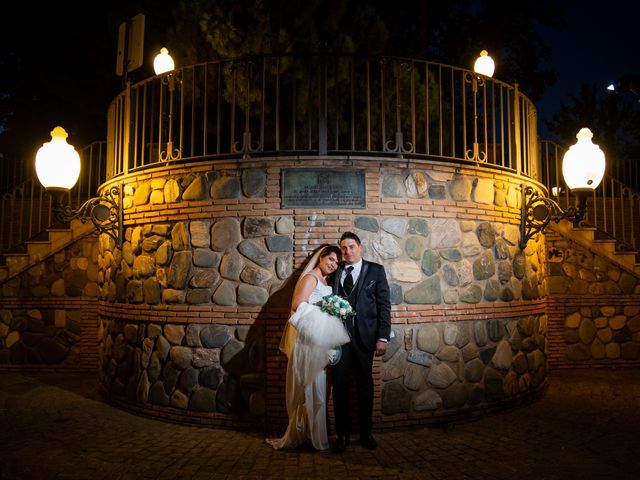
336	306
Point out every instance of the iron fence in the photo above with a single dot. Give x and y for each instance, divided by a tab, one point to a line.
322	105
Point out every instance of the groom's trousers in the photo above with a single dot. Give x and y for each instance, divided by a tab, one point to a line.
356	361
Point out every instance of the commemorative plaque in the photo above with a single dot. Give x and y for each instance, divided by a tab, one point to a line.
323	187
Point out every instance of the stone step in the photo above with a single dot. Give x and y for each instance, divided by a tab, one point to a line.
38	250
59	236
604	247
586	233
626	258
16	262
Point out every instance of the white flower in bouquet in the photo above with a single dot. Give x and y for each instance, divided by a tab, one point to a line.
336	306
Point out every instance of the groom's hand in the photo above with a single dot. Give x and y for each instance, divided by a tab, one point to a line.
381	348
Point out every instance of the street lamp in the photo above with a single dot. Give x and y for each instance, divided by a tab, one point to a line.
163	62
484	64
582	168
58	168
483	67
164	65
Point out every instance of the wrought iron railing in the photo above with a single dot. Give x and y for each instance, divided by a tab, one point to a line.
26	211
322	105
614	208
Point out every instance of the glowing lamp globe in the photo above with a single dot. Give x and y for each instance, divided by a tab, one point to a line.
583	165
484	64
57	162
163	62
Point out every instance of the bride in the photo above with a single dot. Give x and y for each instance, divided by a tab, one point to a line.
310	341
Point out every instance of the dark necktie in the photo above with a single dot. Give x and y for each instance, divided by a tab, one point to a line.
348	281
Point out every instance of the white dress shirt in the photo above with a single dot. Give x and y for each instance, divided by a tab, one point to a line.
355	273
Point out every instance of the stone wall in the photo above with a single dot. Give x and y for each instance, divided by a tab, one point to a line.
48	313
194	303
433	369
593	306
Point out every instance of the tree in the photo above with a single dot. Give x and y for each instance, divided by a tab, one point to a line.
68	77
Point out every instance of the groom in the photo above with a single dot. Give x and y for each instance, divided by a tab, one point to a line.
364	285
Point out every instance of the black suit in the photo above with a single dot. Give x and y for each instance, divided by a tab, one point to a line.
370	299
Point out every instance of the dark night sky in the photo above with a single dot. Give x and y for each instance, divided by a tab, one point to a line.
598	46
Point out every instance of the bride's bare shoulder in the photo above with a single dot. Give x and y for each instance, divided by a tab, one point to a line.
314	278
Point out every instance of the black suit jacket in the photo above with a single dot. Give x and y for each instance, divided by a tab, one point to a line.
370	299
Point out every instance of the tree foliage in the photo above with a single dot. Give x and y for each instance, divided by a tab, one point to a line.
68	76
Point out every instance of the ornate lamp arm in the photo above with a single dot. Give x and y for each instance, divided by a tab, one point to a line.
105	212
538	211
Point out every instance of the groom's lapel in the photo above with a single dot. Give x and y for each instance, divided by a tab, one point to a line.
336	280
363	273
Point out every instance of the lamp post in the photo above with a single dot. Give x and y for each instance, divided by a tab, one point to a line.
58	168
582	168
483	67
164	65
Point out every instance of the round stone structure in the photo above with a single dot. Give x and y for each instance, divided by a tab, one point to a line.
194	302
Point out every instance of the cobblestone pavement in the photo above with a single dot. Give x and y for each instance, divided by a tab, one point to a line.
585	426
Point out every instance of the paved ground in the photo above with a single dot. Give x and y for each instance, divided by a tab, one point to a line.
586	426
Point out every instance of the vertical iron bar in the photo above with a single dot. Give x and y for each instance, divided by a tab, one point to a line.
368	104
463	91
31	207
219	111
160	112
484	121
632	238
233	110
263	94
623	193
494	137
382	112
336	82
277	133
193	114
516	127
613	207
453	115
12	210
353	106
294	103
40	208
440	119
412	87
426	108
205	110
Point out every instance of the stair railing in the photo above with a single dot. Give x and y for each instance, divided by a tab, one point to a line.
26	210
614	208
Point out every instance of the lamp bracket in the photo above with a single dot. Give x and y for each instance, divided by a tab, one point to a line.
105	212
538	211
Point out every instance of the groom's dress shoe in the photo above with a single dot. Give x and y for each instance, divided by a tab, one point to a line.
367	441
340	444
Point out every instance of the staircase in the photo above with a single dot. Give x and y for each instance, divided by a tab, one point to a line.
28	231
594	240
41	247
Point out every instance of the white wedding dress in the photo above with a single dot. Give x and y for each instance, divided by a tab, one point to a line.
308	339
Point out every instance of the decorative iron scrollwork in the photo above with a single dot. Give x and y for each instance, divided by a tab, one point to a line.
105	212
